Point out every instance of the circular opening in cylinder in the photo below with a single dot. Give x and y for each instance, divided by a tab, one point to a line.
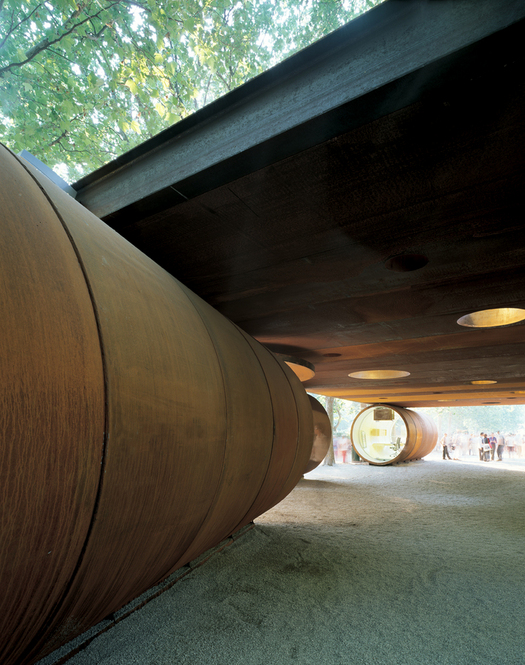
379	434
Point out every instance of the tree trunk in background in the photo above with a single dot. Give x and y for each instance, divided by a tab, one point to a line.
330	457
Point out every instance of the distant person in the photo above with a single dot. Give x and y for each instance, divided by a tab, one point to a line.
480	447
493	442
344	442
486	448
444	445
454	447
511	444
471	443
335	444
500	445
349	448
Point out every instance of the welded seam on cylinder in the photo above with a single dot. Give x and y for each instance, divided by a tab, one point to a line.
168	584
68	586
185	290
298	440
243	334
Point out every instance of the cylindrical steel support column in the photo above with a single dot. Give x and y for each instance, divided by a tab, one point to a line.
138	426
383	434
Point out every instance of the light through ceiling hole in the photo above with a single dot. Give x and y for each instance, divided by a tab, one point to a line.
492	318
303	369
379	374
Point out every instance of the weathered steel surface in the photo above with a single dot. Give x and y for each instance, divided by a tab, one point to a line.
167	422
247	447
303	449
51	411
204	427
422	434
283	468
322	435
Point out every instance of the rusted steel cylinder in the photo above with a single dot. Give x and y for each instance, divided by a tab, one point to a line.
383	434
139	426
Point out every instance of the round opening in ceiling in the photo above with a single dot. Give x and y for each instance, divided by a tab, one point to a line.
406	262
491	318
300	367
491	402
331	355
482	382
379	374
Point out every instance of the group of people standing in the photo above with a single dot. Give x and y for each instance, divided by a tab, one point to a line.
488	447
491	445
342	448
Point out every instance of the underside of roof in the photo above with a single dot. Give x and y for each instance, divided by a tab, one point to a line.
350	205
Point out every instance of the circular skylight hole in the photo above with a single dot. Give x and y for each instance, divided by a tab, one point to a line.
379	374
406	262
492	318
303	369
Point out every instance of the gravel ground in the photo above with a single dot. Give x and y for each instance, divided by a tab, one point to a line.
413	564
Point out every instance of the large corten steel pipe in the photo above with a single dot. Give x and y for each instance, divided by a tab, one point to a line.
139	427
383	434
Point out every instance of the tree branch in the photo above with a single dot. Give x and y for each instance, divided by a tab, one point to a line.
46	43
12	27
57	140
207	89
96	35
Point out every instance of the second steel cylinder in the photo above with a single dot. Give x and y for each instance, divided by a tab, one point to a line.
383	434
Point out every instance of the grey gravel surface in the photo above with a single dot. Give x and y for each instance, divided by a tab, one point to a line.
414	564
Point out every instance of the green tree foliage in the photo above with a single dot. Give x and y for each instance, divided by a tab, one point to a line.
475	419
82	81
